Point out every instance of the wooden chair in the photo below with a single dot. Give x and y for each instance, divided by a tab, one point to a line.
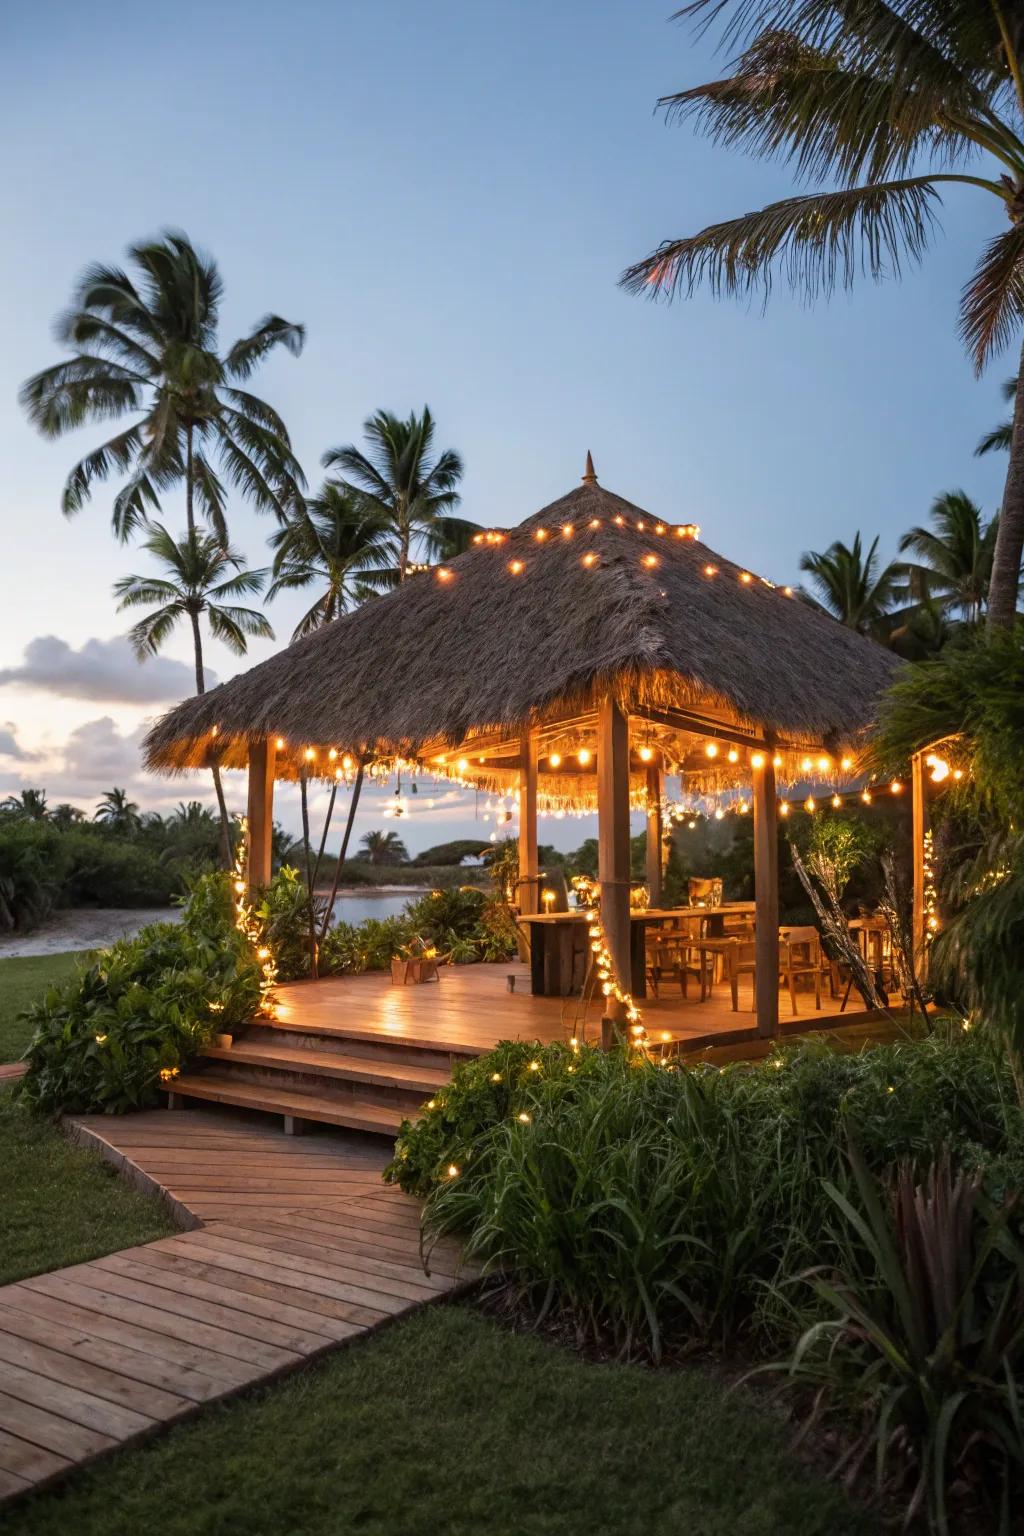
670	951
800	955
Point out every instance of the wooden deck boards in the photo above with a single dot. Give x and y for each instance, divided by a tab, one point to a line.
295	1247
470	1009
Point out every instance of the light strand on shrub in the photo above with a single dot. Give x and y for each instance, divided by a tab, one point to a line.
247	923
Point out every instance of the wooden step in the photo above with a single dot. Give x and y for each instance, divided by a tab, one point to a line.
268	1054
373	1040
352	1113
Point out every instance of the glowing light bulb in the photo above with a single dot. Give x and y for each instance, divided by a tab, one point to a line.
589	559
583	756
896	787
463	764
938	766
711	570
279	744
776	761
810	804
332	754
805	765
787	591
309	754
650	561
523	1117
346	762
757	760
453	1171
732	755
443	573
646	753
515	566
746	578
719	814
567	530
554	759
837	801
866	796
846	764
711	750
541	535
784	808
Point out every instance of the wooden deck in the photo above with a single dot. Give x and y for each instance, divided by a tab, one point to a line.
470	1008
295	1247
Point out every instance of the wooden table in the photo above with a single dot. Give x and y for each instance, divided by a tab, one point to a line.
560	945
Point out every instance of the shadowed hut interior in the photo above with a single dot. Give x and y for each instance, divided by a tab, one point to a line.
573	662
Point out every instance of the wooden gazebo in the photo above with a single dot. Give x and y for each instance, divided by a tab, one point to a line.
573	662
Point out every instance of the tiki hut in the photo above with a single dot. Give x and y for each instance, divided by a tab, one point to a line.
576	659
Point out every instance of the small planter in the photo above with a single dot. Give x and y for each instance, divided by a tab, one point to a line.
416	970
223	1042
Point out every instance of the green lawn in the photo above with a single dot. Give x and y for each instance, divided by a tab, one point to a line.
58	1204
446	1425
21	982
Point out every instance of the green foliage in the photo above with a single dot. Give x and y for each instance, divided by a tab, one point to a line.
924	1347
452	853
282	913
463	924
973	699
144	1006
46	863
655	1204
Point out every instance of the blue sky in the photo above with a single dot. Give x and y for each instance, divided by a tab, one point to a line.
445	196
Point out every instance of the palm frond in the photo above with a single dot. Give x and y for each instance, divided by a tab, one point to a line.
118	453
816	241
132	506
241	584
243	358
149	634
992	307
84	388
807	106
235	626
996	441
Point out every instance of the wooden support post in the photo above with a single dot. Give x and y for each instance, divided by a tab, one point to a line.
766	899
529	871
613	849
920	828
260	812
655	833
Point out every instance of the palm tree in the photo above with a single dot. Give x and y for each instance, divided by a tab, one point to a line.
148	348
29	805
851	584
330	541
117	812
384	848
999	438
954	556
396	479
65	815
202	577
892	101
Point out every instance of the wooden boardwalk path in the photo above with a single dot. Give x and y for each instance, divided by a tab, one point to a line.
295	1246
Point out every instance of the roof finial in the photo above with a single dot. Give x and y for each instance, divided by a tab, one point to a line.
589	476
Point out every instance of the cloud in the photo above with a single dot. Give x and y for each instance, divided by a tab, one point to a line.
97	753
11	748
103	670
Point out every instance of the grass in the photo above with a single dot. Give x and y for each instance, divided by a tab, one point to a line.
447	1423
58	1204
21	982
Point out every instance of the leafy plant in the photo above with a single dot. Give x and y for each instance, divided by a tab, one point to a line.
282	912
925	1347
652	1205
104	1041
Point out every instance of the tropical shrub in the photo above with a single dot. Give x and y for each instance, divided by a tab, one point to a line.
104	1041
645	1201
924	1347
283	918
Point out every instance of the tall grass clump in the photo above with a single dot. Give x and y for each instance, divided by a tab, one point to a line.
656	1207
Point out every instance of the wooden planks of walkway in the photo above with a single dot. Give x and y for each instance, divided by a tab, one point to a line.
295	1246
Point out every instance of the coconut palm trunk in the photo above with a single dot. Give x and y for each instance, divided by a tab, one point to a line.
1002	594
225	822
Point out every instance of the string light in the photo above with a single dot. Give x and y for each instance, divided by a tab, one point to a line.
650	561
746	578
711	750
646	753
931	895
810	804
515	566
541	535
938	766
608	982
733	755
583	756
896	787
309	754
784	808
589	559
554	759
279	743
567	530
837	801
757	760
443	573
711	570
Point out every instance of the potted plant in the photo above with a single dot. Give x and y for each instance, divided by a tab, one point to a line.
416	962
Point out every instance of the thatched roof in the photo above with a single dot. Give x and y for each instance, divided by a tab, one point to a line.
624	601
